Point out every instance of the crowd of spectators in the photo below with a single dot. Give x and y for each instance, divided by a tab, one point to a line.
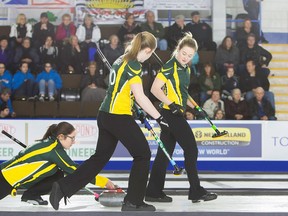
33	58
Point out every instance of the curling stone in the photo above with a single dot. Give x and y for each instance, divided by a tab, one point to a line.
112	198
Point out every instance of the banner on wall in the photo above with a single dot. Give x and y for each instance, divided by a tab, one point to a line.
244	141
33	16
178	5
110	11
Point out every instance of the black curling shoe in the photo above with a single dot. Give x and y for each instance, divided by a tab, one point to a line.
206	197
165	198
35	200
127	206
56	195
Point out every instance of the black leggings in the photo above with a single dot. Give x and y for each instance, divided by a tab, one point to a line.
181	132
40	188
114	128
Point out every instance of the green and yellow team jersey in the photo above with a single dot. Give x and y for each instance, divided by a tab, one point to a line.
118	98
39	161
177	80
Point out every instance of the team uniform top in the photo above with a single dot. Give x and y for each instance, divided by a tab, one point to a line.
39	161
177	80
118	98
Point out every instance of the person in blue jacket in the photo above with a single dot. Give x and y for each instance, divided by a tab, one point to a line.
49	81
5	77
23	83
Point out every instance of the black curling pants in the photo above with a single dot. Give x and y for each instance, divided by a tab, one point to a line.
181	132
44	186
114	128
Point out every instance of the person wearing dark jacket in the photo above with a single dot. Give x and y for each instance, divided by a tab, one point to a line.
72	57
260	108
128	30
237	107
49	52
41	30
92	85
38	166
202	32
227	55
252	79
257	53
27	54
176	31
6	54
156	29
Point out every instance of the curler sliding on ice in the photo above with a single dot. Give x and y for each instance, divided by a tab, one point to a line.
197	107
53	162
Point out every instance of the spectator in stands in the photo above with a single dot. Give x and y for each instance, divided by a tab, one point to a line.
202	32
253	51
72	57
5	100
65	30
229	82
253	9
261	108
214	103
243	32
6	54
227	55
156	29
28	54
4	111
176	31
19	30
5	77
236	108
23	83
49	82
91	85
189	114
219	114
113	50
88	35
41	30
49	53
128	30
208	80
252	79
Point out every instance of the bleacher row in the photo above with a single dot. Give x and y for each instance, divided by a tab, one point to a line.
75	108
78	109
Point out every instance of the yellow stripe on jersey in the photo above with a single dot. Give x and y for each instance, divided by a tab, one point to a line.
135	80
34	153
64	162
135	71
16	174
162	77
43	171
118	77
177	84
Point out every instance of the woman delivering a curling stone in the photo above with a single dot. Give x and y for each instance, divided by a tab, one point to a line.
115	123
175	76
36	167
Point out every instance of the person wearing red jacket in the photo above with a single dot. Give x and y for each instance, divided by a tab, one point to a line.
65	29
